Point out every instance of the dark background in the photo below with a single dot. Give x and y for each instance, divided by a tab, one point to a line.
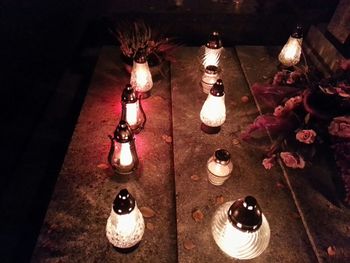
48	52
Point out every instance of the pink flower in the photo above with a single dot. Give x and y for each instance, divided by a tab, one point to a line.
279	111
343	90
340	127
293	102
306	136
292	160
268	163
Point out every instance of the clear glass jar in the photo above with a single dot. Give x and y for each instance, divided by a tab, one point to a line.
219	167
238	237
291	51
125	225
141	77
209	78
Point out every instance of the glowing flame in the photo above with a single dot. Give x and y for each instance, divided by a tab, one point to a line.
213	112
125	154
290	53
132	113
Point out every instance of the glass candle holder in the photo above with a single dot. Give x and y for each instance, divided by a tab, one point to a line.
122	155
141	78
125	225
213	112
132	111
291	51
212	50
240	229
219	167
209	78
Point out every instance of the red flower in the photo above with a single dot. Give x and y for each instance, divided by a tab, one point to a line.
306	136
268	163
279	111
292	160
340	127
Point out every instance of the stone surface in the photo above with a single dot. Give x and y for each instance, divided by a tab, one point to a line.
313	190
192	149
339	26
74	227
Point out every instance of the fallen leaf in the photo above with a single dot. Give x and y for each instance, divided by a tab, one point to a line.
150	226
331	250
147	212
219	200
195	178
197	215
188	244
235	141
245	99
103	166
167	138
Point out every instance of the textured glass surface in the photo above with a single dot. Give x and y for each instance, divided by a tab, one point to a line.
290	53
125	231
211	56
141	78
235	243
208	80
218	173
213	112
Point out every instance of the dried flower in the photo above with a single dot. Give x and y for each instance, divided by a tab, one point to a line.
306	136
340	127
292	160
279	111
268	163
293	102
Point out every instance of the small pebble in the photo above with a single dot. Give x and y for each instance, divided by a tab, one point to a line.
245	99
331	250
195	178
188	244
150	226
235	141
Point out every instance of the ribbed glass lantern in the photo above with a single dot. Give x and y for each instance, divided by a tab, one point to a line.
209	78
212	50
240	229
122	155
213	112
219	167
125	225
291	51
141	78
132	111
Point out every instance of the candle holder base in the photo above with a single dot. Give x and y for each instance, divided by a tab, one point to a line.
128	249
280	66
210	130
143	95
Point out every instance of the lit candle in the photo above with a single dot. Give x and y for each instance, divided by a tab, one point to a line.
213	112
125	225
212	50
291	51
132	111
219	167
240	229
122	155
209	78
141	78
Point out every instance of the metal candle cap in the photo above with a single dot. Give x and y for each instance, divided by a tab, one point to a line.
211	69
218	89
128	95
214	41
298	32
123	132
140	56
245	214
222	156
123	203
